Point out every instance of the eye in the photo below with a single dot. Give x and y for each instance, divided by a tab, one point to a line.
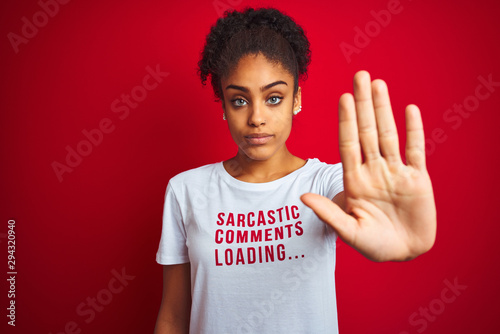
239	102
275	100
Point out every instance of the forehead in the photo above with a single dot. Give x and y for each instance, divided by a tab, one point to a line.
257	70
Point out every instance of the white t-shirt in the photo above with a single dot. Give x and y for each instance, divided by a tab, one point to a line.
261	261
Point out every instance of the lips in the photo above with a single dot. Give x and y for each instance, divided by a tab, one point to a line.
258	138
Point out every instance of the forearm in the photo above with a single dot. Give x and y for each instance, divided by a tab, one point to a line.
339	199
171	325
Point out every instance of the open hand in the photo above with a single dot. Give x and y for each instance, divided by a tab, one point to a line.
388	211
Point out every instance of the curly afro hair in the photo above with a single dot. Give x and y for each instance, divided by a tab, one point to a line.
252	31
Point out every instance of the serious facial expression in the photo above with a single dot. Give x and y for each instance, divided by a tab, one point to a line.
258	103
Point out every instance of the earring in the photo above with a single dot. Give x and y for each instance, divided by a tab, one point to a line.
295	112
223	115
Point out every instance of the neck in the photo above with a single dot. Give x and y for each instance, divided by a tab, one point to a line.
246	169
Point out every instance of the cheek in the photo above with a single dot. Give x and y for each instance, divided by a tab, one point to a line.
282	122
236	132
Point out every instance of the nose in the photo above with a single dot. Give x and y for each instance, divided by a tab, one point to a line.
256	117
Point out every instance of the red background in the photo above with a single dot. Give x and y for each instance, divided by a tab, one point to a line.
106	213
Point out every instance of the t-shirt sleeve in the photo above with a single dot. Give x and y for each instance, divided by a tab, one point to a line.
172	249
334	180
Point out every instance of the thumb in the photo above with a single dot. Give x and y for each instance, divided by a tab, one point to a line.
329	212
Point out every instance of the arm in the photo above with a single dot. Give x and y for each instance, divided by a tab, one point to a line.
174	314
387	211
339	199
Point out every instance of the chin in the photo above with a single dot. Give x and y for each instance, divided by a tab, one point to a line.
258	154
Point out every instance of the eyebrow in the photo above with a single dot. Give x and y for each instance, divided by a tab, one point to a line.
262	89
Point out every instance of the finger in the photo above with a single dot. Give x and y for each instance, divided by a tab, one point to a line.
387	131
350	150
415	140
329	212
367	126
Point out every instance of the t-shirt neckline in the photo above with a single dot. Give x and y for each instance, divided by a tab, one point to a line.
262	185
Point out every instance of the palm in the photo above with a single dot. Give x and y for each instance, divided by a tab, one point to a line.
389	206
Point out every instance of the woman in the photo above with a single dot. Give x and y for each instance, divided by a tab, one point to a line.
248	244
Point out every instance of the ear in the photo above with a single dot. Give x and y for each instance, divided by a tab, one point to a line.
297	99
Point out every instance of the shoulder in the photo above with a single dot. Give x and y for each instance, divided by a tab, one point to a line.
194	175
315	166
327	179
